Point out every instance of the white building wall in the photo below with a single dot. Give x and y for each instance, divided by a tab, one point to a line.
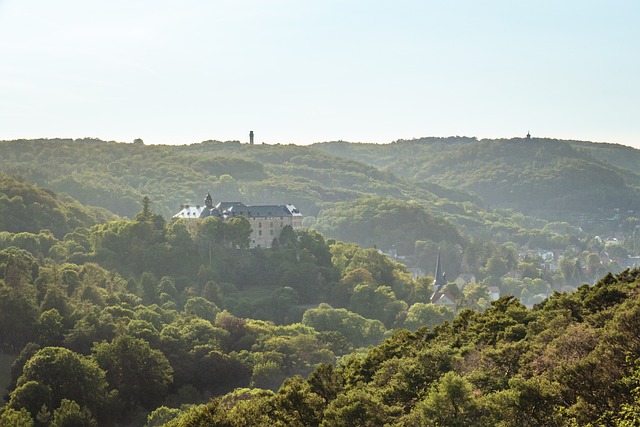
265	229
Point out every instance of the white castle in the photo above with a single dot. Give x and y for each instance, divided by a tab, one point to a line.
267	221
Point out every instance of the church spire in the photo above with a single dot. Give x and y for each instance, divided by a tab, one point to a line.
440	278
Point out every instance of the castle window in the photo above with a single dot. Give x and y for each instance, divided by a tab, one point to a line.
260	233
272	232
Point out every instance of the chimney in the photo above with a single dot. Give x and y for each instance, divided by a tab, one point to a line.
251	137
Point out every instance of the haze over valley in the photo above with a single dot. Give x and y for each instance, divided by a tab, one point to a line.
478	246
336	213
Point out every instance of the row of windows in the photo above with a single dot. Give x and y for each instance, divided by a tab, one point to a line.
271	224
256	218
241	213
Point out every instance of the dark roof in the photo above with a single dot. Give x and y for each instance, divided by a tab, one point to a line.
225	206
207	211
260	211
437	296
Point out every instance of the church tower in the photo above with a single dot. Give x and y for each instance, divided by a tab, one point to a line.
440	279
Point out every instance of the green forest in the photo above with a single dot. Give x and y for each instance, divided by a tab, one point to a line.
551	178
112	312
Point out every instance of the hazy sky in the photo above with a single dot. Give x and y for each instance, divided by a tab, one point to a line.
297	71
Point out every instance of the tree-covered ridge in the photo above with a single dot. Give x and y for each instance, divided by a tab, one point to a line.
166	263
549	177
572	360
141	312
488	249
212	254
155	314
623	157
26	208
387	223
556	178
117	176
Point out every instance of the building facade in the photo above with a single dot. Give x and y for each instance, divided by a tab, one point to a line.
267	221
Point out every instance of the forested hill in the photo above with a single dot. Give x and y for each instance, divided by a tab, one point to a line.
552	178
456	178
572	360
621	156
117	175
548	177
338	185
140	319
26	208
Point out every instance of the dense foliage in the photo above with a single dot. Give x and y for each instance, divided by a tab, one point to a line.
116	176
387	223
145	319
552	178
436	174
146	313
573	360
25	208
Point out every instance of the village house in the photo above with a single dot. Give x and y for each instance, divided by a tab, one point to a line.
494	292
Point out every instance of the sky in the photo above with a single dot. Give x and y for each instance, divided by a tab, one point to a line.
298	71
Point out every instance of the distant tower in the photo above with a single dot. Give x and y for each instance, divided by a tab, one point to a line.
251	137
528	135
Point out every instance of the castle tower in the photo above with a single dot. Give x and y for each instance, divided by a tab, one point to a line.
251	137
